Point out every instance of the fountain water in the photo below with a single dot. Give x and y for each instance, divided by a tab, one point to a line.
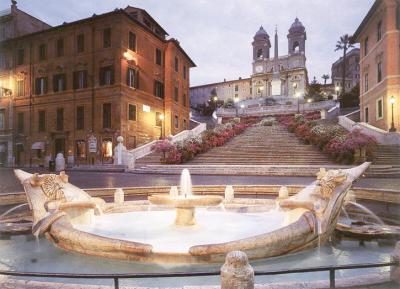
12	210
368	212
186	184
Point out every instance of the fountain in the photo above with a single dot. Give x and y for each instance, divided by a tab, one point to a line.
74	221
185	203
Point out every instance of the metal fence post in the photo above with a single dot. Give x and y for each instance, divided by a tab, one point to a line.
332	278
116	283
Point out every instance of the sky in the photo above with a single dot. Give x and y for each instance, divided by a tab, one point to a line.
217	34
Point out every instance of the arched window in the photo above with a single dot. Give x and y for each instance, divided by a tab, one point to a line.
259	53
296	47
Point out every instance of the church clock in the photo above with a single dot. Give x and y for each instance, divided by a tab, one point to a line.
259	68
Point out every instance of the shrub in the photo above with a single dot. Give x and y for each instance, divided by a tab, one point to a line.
269	121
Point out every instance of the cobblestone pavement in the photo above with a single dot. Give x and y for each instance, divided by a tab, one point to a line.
9	184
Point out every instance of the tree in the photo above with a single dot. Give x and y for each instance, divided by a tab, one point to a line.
314	91
325	77
344	43
352	98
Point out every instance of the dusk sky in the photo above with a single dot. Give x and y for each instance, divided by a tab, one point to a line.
217	34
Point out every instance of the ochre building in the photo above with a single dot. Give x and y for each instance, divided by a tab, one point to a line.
78	86
379	38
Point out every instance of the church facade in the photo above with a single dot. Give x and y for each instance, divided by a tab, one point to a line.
282	78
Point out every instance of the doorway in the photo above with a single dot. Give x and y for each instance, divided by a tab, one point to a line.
59	146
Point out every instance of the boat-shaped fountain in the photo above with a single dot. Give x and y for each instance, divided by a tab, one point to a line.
186	228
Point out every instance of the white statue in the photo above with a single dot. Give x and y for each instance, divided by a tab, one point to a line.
60	162
118	151
119	197
229	194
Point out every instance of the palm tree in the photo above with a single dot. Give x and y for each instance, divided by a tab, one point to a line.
344	43
325	77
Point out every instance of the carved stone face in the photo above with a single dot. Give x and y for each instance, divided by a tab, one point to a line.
52	185
329	181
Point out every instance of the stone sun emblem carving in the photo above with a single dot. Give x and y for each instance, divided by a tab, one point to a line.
52	185
328	181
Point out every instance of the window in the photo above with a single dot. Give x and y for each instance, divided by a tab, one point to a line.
42	120
132	77
379	71
366	46
80	79
20	87
107	38
60	47
184	72
158	57
20	122
59	82
80	117
176	94
366	84
20	56
80	149
107	115
184	124
2	118
236	87
379	31
184	99
107	75
60	119
80	43
158	89
366	114
41	85
42	52
259	53
176	121
176	64
132	41
158	119
132	112
379	108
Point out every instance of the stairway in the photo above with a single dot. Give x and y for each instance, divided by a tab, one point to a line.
263	145
386	162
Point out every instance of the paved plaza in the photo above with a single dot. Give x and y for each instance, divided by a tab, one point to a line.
85	180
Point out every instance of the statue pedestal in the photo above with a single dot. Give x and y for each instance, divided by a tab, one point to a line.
185	216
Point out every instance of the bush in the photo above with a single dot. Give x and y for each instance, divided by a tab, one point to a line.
269	121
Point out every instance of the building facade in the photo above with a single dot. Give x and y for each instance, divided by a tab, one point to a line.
80	85
13	23
352	71
279	77
233	89
379	38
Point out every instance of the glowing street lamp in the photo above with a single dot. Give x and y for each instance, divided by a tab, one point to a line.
392	102
215	98
309	100
337	89
298	102
161	117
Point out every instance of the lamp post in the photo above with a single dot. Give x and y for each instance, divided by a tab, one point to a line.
298	102
337	89
162	126
392	102
236	100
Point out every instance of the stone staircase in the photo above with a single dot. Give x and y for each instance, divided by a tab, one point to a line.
263	145
386	162
257	146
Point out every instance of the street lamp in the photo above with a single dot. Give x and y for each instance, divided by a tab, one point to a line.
162	126
236	100
392	102
337	89
298	102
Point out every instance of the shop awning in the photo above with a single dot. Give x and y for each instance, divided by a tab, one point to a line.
38	145
2	148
